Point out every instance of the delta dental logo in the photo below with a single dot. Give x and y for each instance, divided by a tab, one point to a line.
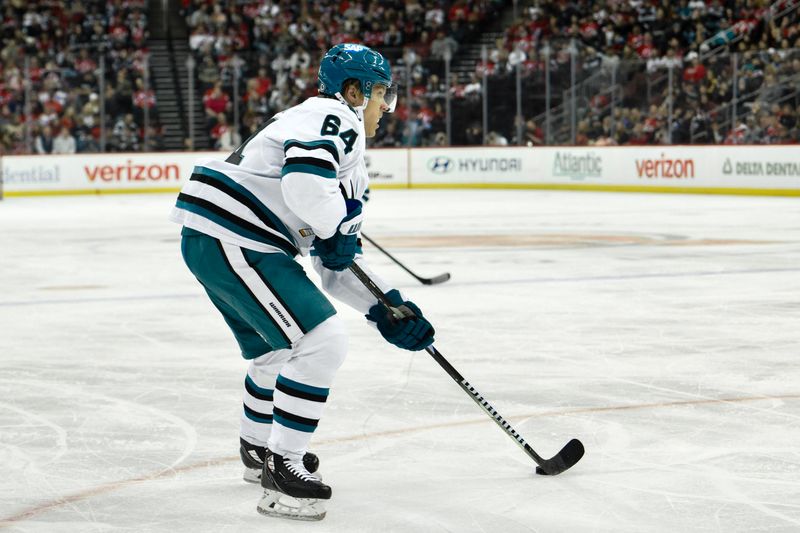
760	168
665	168
578	167
444	165
31	176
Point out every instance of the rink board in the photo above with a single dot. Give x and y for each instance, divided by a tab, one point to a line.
760	170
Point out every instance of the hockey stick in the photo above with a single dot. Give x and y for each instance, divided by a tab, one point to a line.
441	278
570	454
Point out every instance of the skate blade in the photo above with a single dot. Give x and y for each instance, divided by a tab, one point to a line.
252	475
277	504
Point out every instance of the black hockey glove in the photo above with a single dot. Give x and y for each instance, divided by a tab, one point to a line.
412	332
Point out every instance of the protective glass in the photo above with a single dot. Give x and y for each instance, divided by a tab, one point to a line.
390	98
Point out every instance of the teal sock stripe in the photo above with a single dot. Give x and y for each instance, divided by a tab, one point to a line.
301	387
257	392
256	416
291	424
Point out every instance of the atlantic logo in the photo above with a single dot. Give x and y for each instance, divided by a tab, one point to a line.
441	165
578	167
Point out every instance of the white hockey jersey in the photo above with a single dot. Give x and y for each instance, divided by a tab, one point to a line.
285	184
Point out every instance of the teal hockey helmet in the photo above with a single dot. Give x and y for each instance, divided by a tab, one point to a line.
355	61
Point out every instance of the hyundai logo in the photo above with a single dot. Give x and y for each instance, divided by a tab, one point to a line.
441	164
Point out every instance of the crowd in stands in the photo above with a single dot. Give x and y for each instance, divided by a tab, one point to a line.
257	57
266	53
58	45
640	41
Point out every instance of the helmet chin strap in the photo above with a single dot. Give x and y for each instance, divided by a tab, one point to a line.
359	108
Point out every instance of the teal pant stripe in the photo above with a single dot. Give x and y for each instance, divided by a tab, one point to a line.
293	425
318	391
280	226
308	169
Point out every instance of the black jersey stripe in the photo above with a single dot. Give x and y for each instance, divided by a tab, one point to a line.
313	161
265	236
328	147
257	210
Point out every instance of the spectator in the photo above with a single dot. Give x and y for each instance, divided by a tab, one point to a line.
143	99
125	135
533	134
496	139
44	141
64	143
215	102
227	139
442	45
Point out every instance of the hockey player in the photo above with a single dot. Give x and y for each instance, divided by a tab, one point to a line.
294	187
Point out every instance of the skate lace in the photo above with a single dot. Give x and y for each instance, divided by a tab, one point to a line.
297	468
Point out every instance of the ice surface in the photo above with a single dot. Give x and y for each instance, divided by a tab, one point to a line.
661	330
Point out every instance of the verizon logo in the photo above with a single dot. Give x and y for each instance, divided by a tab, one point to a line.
132	172
665	168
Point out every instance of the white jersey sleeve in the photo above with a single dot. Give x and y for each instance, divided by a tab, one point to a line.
322	146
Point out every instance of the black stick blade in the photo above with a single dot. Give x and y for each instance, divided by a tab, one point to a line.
563	460
441	278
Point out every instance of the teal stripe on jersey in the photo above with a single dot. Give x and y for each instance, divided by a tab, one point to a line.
235	228
292	424
308	169
319	391
280	226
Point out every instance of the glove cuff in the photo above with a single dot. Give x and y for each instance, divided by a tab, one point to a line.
351	223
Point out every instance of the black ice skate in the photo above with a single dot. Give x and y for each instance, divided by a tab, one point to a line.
253	460
291	491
